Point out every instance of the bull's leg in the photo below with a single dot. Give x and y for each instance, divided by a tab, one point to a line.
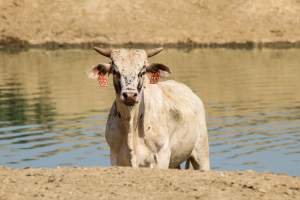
199	162
200	154
162	158
188	164
113	158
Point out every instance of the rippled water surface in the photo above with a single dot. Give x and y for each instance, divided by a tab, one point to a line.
51	114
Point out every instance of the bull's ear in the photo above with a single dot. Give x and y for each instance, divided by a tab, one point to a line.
99	69
157	67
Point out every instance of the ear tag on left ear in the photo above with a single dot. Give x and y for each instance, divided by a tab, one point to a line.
102	80
154	77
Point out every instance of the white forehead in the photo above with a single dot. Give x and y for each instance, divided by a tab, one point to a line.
129	60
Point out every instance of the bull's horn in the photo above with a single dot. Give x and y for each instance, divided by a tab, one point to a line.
153	52
104	52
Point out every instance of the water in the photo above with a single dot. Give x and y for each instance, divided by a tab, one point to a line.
51	114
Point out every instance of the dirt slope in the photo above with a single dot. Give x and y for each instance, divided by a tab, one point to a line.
129	183
148	21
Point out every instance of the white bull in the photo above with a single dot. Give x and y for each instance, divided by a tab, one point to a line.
152	125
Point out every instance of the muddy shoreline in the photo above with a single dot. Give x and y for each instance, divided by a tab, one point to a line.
129	183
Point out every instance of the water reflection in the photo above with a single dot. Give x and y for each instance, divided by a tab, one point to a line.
12	104
51	114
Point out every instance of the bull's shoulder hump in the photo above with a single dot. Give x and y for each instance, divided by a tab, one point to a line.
176	91
175	87
172	83
181	100
172	91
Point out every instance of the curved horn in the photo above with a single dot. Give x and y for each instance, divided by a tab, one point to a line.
153	52
104	52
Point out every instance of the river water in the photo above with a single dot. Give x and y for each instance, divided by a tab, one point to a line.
52	115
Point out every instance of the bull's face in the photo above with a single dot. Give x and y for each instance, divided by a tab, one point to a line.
129	67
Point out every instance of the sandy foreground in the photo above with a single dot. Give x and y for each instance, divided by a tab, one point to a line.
129	183
118	22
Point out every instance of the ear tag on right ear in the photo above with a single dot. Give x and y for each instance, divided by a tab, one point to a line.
154	77
102	80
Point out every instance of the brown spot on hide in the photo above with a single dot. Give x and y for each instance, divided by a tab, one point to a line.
176	115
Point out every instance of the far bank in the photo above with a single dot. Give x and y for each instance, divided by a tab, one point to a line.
228	23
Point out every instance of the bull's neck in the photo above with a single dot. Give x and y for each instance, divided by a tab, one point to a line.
128	113
131	117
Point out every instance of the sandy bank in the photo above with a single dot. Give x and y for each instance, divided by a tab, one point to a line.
240	23
128	183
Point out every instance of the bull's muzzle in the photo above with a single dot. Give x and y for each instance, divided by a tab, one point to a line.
129	98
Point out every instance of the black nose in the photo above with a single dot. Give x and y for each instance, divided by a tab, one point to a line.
130	97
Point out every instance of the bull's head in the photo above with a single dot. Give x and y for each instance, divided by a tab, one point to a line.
129	68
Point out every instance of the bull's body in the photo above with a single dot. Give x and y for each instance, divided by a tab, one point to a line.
165	128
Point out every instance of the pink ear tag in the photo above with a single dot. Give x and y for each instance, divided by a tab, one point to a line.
154	77
102	80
